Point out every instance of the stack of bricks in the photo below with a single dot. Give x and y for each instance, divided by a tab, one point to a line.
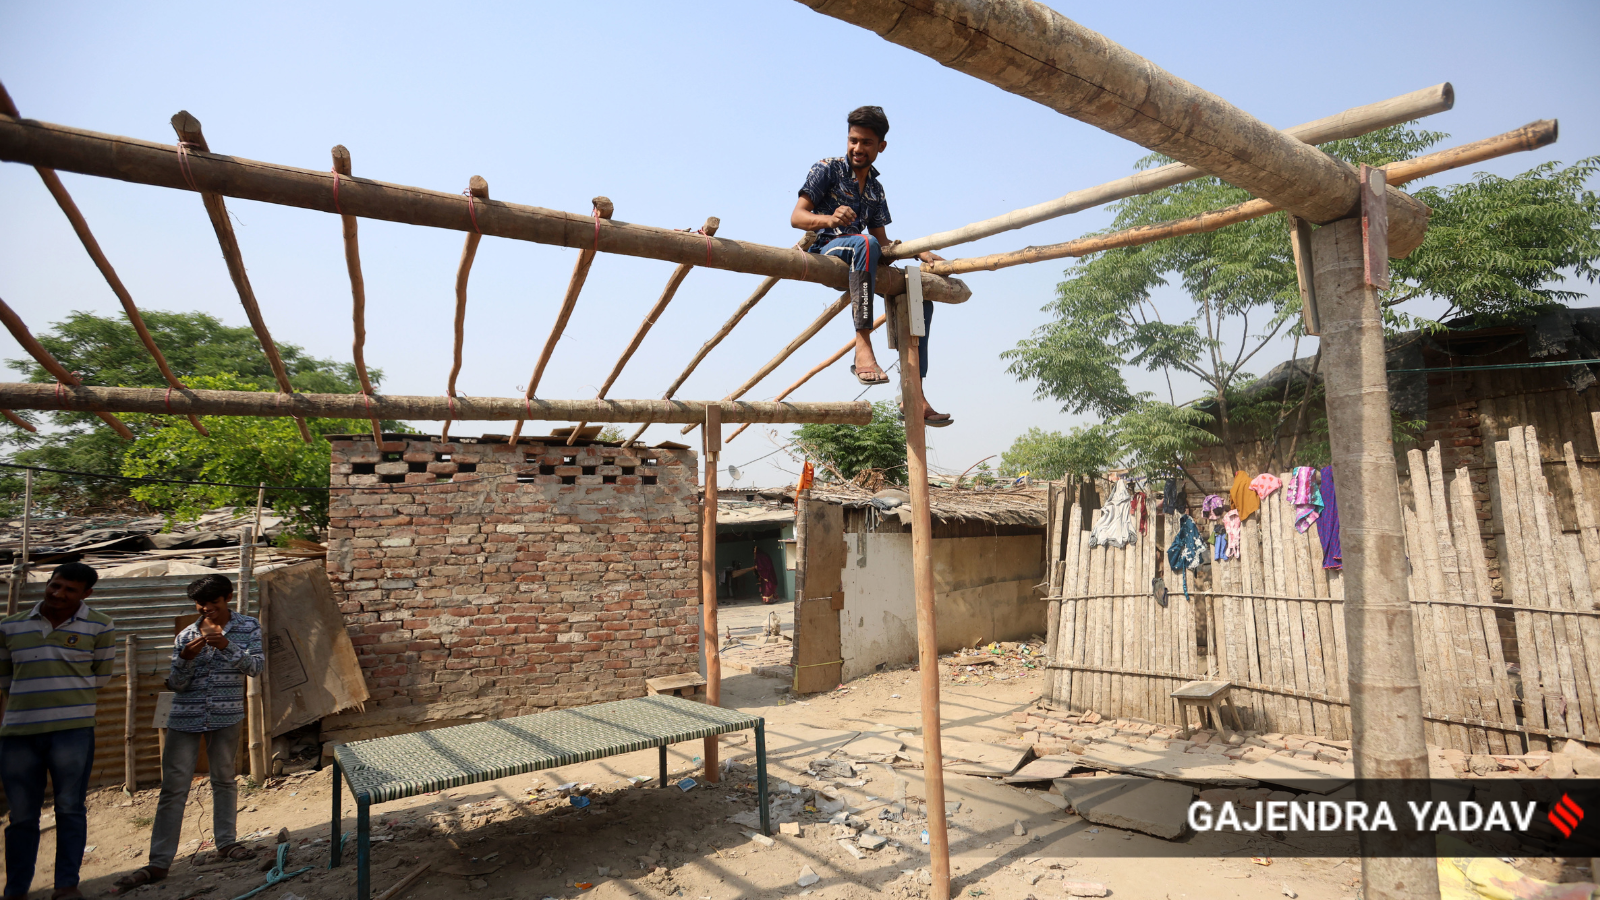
1054	732
529	576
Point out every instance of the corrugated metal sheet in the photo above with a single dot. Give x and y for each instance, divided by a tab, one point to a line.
146	607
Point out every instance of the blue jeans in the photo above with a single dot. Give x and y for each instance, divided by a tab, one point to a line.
849	248
67	756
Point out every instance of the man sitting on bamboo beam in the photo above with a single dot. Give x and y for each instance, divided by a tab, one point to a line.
842	201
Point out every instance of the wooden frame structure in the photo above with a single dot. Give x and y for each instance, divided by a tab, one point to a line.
1022	47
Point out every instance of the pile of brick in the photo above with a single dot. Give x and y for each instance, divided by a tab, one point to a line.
1572	760
1052	732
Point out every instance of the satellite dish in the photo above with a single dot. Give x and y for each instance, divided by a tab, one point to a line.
734	473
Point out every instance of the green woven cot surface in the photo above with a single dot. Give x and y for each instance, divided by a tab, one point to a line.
393	767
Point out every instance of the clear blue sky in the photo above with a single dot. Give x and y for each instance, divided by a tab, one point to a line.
677	112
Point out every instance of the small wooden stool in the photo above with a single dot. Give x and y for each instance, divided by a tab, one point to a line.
1207	695
689	685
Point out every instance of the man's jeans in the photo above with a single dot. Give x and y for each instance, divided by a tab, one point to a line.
862	253
177	773
67	756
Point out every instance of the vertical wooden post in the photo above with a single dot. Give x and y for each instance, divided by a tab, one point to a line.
19	569
253	697
1385	690
927	622
130	665
708	579
261	498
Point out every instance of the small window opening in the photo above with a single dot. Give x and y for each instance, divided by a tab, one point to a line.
525	477
466	467
608	460
363	468
547	470
444	457
391	479
569	479
530	457
589	470
569	460
652	461
417	467
391	457
647	479
608	479
627	470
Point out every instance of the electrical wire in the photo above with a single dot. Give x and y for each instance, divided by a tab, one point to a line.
1532	365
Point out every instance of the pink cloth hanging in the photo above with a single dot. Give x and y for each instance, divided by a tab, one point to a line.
1302	492
1233	526
1265	484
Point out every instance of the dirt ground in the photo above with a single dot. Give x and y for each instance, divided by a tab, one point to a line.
499	839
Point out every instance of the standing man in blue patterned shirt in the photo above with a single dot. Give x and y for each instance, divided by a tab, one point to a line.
210	661
842	200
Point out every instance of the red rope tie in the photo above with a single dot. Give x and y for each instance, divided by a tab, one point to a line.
168	401
452	399
708	246
183	165
806	270
527	404
472	210
597	230
336	193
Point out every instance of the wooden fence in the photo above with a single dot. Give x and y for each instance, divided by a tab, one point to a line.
1272	621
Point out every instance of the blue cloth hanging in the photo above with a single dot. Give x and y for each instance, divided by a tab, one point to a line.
1186	550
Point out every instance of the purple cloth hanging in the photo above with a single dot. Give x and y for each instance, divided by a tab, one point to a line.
1328	524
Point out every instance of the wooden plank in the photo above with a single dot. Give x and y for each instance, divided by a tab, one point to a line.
1080	684
1487	628
1513	570
1588	516
1552	553
1424	544
1283	514
817	657
1436	694
1561	700
1467	632
1374	227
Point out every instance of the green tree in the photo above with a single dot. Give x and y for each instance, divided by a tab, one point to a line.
1051	455
1495	249
104	350
240	450
852	449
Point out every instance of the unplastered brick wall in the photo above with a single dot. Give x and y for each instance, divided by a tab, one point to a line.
484	578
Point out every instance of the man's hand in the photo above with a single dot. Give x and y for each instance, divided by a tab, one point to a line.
928	256
842	217
216	640
193	648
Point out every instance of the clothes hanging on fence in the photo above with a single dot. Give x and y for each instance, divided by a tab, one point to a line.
1186	551
1220	550
1245	501
1235	529
1307	499
1328	524
1265	484
1141	510
1115	528
1211	507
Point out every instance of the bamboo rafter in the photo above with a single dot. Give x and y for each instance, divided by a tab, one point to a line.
64	378
815	370
191	137
358	289
477	189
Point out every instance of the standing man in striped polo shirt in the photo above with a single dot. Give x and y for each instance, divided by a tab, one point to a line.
211	659
54	658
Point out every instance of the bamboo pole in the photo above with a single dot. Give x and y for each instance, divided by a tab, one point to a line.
927	618
603	208
191	138
477	189
838	306
1514	573
80	226
708	581
1470	540
407	881
814	371
1385	691
1351	123
667	293
144	162
255	712
18	421
130	665
19	567
766	285
23	336
358	286
1028	49
1528	137
83	398
1588	516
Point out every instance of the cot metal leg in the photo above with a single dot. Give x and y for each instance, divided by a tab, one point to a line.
761	775
663	765
338	814
363	849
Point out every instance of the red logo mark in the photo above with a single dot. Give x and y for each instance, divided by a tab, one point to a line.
1565	816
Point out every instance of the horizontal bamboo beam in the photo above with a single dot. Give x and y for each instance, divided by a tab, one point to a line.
838	306
82	398
145	162
815	370
1030	50
19	331
1528	137
1353	122
192	138
80	226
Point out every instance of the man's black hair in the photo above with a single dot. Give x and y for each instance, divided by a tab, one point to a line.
870	117
207	588
77	573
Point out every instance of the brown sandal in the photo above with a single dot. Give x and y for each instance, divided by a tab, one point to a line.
236	852
141	876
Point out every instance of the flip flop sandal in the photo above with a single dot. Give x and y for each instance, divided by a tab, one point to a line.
939	421
236	852
866	377
137	878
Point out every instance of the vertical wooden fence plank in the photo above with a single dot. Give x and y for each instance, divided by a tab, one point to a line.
1515	577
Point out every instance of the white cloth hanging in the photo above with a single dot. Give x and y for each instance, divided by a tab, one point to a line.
1115	528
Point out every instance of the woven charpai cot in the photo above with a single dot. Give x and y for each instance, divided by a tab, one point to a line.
393	767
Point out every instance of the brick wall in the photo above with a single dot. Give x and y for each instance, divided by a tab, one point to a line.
517	578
